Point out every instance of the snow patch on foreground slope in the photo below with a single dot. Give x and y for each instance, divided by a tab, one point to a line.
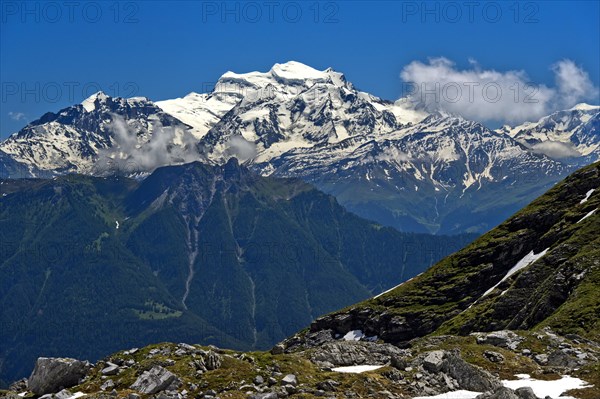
523	263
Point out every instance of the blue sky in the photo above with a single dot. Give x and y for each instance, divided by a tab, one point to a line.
53	54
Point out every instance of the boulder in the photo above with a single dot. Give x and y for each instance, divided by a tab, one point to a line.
493	357
526	393
50	375
504	339
153	381
499	393
289	379
433	361
278	349
212	360
110	369
467	376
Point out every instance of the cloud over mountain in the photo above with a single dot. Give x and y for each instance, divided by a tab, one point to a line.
491	95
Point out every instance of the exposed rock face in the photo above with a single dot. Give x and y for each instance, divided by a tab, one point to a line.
468	376
212	360
153	381
503	339
349	353
50	375
434	361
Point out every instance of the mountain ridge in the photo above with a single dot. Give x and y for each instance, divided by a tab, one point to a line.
386	161
217	253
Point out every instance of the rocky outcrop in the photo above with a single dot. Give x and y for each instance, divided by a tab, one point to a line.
50	375
154	380
468	377
350	353
504	339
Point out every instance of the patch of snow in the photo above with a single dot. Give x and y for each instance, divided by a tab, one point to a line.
587	196
541	388
393	288
88	103
355	369
523	263
585	107
453	395
117	224
354	335
590	213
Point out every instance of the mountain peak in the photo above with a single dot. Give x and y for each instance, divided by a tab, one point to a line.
90	103
289	73
585	107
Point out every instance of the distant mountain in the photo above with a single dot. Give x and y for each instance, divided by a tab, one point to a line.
441	175
194	252
389	162
75	138
513	315
572	133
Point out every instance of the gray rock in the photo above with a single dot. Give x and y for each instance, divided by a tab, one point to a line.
108	384
278	349
290	389
468	376
493	357
350	353
212	360
153	381
131	351
259	380
433	361
289	379
64	394
541	359
525	393
110	369
328	385
50	375
499	393
561	359
265	395
504	339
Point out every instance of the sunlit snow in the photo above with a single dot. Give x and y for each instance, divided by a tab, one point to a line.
356	369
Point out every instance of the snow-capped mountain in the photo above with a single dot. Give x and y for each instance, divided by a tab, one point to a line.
72	139
444	174
385	161
290	106
571	133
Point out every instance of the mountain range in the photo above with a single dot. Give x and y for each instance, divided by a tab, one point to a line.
390	162
193	252
513	315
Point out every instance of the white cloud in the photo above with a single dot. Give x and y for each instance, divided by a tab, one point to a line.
490	95
556	149
16	116
166	146
241	148
573	83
